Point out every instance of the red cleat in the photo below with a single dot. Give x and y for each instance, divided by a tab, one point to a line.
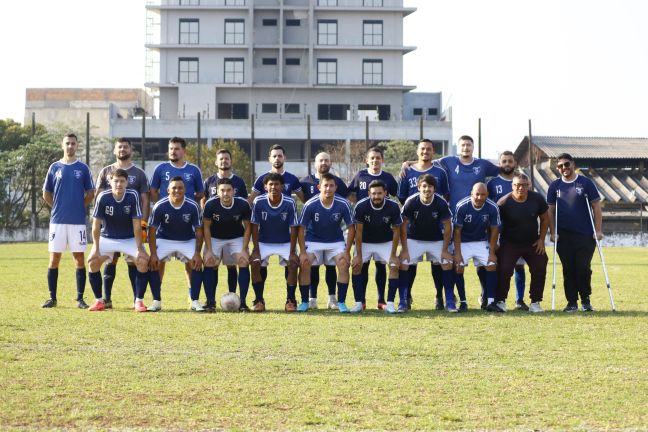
381	306
99	305
139	306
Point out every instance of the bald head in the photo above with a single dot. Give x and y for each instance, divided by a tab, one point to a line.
322	163
479	194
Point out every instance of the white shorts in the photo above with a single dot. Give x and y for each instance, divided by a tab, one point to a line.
325	252
380	252
431	250
66	236
225	249
477	251
108	247
268	249
180	250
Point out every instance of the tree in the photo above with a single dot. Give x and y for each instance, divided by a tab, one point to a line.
398	151
14	135
346	167
242	165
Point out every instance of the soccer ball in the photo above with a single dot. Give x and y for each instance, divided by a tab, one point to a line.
230	302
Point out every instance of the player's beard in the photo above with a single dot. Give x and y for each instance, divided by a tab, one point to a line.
278	165
507	170
124	157
378	203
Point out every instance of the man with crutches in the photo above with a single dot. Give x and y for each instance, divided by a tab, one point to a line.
578	231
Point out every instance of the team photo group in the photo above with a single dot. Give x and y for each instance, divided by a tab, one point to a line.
437	216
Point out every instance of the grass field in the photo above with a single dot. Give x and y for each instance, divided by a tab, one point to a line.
67	368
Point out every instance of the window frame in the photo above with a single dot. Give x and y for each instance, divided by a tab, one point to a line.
372	35
188	73
327	73
234	34
324	38
371	73
234	60
188	33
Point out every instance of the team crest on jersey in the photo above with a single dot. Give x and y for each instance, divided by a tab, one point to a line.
386	219
284	216
579	189
367	218
188	177
127	209
131	179
336	217
434	215
485	218
78	174
476	170
236	218
186	217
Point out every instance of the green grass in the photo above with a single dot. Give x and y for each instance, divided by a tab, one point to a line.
66	368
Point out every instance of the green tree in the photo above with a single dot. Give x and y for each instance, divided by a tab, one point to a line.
14	135
242	165
398	151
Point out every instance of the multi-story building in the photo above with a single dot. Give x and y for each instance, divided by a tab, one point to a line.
256	70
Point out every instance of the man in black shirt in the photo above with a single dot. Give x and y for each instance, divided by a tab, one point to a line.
520	237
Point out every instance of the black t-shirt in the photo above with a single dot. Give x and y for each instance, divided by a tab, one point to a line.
520	220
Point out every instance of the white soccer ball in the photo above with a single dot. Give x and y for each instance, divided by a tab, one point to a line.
230	302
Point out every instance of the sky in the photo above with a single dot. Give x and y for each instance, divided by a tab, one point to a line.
572	67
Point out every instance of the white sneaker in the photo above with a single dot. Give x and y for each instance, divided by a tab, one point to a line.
332	302
155	306
357	307
502	305
389	308
535	307
196	306
312	303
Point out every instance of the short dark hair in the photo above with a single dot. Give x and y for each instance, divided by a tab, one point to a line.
377	183
520	175
277	147
273	177
565	156
123	140
466	138
176	178
508	153
427	178
70	135
224	181
327	177
425	140
376	149
178	140
119	172
224	151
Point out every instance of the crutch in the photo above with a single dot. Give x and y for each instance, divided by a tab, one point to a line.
553	283
600	249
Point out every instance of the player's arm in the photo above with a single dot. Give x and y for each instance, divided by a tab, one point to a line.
447	237
458	258
396	237
356	262
196	260
145	203
152	241
492	242
209	258
300	195
254	234
199	196
89	196
247	232
301	240
48	198
404	254
544	226
155	194
96	235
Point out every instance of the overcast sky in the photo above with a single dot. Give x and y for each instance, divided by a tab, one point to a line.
575	67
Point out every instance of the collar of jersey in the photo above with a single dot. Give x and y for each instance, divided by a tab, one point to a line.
181	204
428	204
270	204
181	167
375	175
377	208
570	182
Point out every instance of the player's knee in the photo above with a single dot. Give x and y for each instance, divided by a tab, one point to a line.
403	267
446	266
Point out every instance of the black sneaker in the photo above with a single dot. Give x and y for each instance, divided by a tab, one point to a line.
81	304
50	303
463	307
410	300
244	308
439	304
483	305
494	308
571	307
108	304
520	305
586	305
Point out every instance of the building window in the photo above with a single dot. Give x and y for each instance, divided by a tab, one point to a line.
189	2
383	111
269	108
433	111
327	2
269	61
269	22
234	71
188	69
326	71
234	2
189	29
372	32
234	32
293	61
332	111
293	23
417	111
372	3
291	108
327	32
372	72
236	111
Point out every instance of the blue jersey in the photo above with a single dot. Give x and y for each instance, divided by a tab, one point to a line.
475	222
291	184
462	177
360	183
190	174
309	187
498	187
211	189
274	222
408	184
324	224
68	184
424	221
173	223
377	222
572	206
227	222
117	216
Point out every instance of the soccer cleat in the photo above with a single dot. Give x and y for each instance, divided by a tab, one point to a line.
535	308
439	304
244	308
381	305
493	307
364	305
452	309
49	303
303	307
210	307
342	307
332	302
81	304
520	305
312	303
410	300
196	306
98	306
357	307
259	306
389	308
586	306
502	305
108	304
571	307
291	306
463	307
156	306
402	307
139	306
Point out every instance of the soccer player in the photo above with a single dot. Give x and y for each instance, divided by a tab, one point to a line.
476	230
226	226
497	188
321	240
309	187
277	158
427	223
407	187
377	234
274	232
175	230
68	190
137	181
224	166
522	237
575	239
359	189
117	227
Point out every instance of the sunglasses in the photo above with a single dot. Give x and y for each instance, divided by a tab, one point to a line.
563	165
